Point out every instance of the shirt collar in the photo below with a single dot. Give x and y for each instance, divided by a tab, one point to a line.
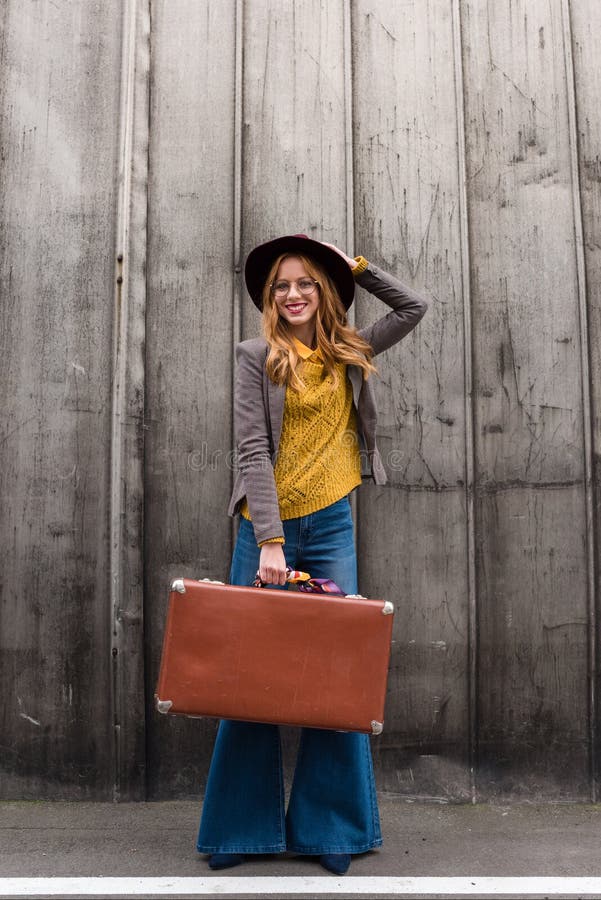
305	352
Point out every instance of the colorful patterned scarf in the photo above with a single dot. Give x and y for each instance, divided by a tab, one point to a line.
306	583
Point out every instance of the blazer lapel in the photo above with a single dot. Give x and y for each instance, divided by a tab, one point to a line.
356	377
276	394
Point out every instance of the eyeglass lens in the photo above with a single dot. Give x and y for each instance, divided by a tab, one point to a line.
305	286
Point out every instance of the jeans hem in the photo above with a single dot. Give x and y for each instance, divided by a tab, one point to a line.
273	848
315	851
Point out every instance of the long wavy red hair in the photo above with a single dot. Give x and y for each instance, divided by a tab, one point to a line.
337	340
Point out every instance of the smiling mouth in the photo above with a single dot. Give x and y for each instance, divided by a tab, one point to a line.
295	307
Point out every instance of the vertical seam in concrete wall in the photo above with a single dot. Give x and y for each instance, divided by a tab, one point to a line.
469	411
145	636
348	131
347	15
237	235
126	396
585	376
118	364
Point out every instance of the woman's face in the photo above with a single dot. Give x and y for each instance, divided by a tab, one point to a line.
296	308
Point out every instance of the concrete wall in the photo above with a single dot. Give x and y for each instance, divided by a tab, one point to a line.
147	145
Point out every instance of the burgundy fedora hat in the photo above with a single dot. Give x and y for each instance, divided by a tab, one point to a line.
260	260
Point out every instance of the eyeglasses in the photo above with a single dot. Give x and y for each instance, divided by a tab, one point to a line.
282	288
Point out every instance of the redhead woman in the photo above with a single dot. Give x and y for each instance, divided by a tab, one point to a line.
305	427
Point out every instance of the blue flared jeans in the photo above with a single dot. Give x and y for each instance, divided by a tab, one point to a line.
333	806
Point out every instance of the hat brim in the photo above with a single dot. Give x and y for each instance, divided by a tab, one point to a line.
260	260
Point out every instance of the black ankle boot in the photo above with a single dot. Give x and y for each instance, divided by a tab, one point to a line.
225	860
337	863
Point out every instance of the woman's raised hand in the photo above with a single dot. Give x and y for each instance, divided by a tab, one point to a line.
352	262
272	564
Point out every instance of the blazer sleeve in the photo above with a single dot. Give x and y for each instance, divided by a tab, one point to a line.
408	307
253	444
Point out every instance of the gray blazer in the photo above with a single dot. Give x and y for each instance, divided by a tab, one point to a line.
259	404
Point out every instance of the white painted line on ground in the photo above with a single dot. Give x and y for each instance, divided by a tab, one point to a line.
317	885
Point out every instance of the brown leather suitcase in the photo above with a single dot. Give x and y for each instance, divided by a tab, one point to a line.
276	656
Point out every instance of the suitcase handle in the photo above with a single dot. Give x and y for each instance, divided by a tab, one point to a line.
306	583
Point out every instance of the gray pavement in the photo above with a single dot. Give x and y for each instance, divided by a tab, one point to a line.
44	839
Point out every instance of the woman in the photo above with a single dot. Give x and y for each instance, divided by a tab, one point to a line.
305	422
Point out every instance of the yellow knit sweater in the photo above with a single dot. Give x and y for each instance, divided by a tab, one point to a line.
318	458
